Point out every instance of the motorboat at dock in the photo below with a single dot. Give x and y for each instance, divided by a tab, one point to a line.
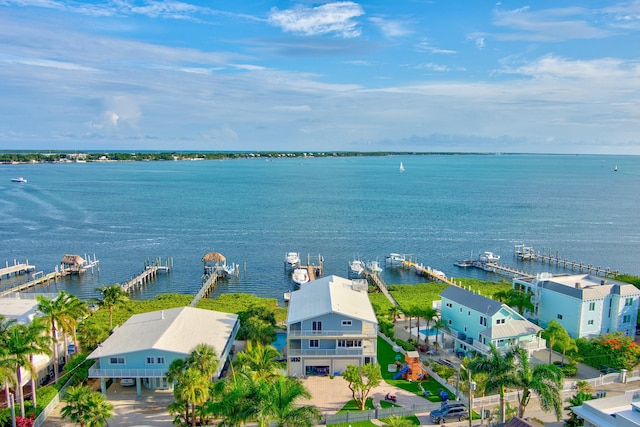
292	259
395	260
356	269
374	267
300	276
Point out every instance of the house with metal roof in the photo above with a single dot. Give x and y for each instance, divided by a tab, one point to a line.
475	322
585	305
146	344
330	325
617	411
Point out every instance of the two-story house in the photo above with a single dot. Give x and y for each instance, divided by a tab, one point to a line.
146	344
476	321
330	325
585	305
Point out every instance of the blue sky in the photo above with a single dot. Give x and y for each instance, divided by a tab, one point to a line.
402	75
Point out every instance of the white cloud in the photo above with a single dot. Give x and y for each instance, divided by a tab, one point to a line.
329	18
390	28
424	46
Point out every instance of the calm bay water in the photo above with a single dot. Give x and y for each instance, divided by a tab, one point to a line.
441	209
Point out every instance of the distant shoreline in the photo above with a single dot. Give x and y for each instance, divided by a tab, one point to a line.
44	156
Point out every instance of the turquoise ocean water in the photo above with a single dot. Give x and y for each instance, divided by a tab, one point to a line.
441	209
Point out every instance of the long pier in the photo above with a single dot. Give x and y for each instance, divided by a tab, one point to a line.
207	287
433	275
505	270
151	270
379	283
16	269
39	278
527	253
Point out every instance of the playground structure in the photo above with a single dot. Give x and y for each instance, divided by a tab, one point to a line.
413	369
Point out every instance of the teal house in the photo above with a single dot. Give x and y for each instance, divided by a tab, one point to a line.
145	345
585	305
475	322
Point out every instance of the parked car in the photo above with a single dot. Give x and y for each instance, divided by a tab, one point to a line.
127	382
449	411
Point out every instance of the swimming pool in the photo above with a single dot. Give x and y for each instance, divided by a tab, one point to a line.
281	341
430	333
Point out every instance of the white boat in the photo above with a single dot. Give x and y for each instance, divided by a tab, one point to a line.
615	169
401	167
374	267
489	257
356	269
19	179
395	259
300	276
292	259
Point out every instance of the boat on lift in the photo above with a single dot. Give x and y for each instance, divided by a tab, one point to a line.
292	259
489	257
356	269
395	260
300	276
374	267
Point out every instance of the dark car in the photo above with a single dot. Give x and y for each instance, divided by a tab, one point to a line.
449	411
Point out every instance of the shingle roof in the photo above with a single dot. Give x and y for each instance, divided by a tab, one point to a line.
177	330
330	294
475	302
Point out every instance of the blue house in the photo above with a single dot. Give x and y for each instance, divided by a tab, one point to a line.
146	344
476	321
585	305
330	325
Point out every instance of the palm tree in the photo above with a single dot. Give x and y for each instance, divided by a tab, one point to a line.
429	314
283	407
515	298
193	389
61	313
396	421
86	408
91	334
394	312
259	360
22	343
111	296
544	380
239	400
7	370
553	334
500	369
204	359
441	325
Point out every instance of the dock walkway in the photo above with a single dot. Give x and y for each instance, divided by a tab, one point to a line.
379	283
16	269
527	253
151	270
433	275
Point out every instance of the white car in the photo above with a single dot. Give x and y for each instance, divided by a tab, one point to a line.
127	382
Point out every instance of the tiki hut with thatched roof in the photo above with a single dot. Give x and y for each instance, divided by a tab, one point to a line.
73	263
213	261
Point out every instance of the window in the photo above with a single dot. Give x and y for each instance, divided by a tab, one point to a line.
468	313
592	306
116	360
317	326
560	316
349	343
460	309
590	322
483	321
628	302
626	318
155	360
346	323
314	343
449	305
499	321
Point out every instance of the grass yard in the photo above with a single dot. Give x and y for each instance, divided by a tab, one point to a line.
351	406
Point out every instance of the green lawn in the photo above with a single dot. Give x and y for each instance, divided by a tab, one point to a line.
387	356
351	406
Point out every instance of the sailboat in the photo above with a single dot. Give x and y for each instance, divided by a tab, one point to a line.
401	167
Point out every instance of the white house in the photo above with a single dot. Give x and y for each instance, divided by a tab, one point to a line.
476	321
330	325
616	411
146	344
585	305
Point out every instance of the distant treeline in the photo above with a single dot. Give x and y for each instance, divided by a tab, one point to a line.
89	156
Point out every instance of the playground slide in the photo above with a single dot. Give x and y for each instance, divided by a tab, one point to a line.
402	371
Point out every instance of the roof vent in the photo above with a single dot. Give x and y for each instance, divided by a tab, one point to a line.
578	285
603	282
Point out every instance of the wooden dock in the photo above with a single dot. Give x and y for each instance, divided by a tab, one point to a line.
16	269
494	267
208	285
431	274
379	283
151	270
39	278
314	270
527	253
